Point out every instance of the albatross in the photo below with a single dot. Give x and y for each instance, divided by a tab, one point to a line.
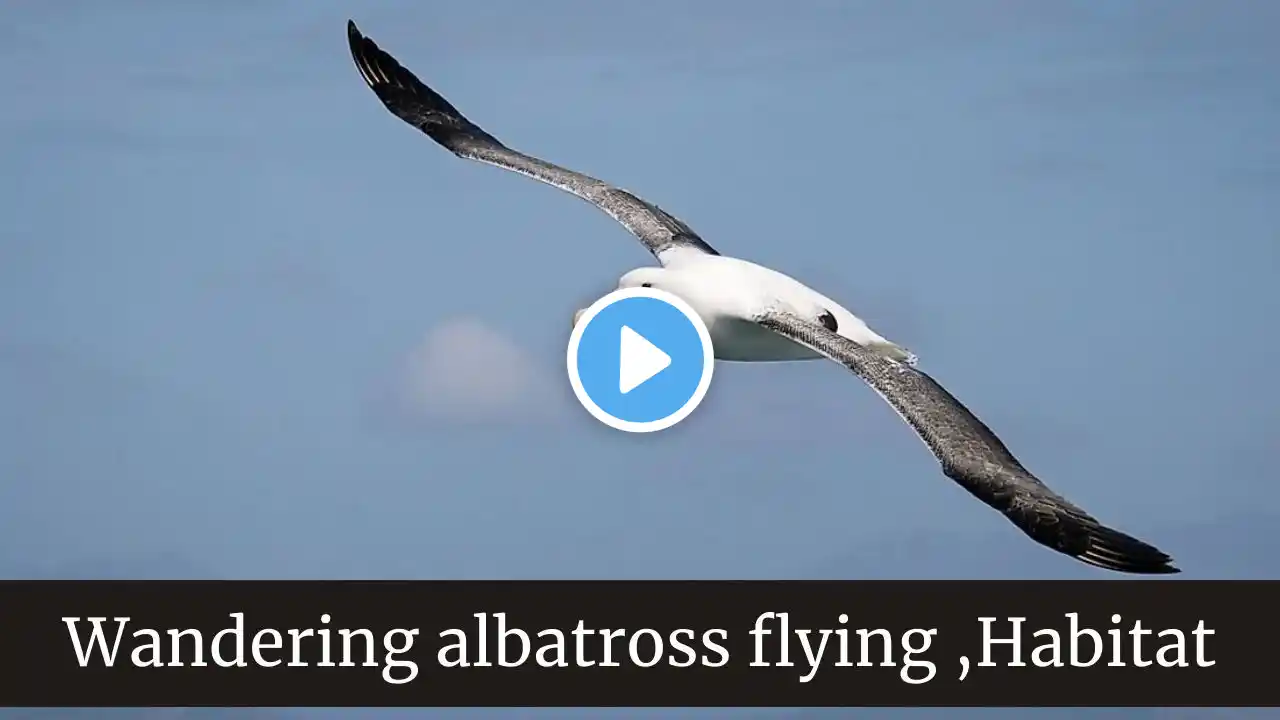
756	314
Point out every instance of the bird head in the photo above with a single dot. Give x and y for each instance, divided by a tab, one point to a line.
640	277
643	277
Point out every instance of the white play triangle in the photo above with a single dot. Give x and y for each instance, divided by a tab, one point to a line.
638	360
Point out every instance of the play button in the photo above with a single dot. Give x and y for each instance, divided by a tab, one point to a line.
640	360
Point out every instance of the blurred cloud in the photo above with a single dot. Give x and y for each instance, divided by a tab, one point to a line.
465	370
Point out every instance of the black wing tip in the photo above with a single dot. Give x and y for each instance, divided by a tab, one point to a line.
1113	550
407	97
354	36
372	61
363	49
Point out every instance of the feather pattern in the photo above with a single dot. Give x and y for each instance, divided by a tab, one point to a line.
409	99
972	455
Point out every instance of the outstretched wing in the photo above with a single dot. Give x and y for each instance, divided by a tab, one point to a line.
409	99
975	458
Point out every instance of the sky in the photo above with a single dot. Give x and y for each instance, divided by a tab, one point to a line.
253	326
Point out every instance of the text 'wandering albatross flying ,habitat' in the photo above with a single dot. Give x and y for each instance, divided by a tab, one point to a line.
755	314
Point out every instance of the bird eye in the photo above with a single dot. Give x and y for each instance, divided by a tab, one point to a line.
648	285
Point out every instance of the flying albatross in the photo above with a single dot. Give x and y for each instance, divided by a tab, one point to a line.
755	314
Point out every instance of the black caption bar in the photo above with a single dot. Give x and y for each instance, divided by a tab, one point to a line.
496	644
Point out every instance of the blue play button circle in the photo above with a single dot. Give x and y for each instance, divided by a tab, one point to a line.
640	360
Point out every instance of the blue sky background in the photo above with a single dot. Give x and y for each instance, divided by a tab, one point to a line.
253	326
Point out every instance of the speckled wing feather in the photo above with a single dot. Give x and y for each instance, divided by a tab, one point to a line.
974	457
409	99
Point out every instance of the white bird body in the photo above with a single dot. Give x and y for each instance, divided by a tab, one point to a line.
728	293
755	314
